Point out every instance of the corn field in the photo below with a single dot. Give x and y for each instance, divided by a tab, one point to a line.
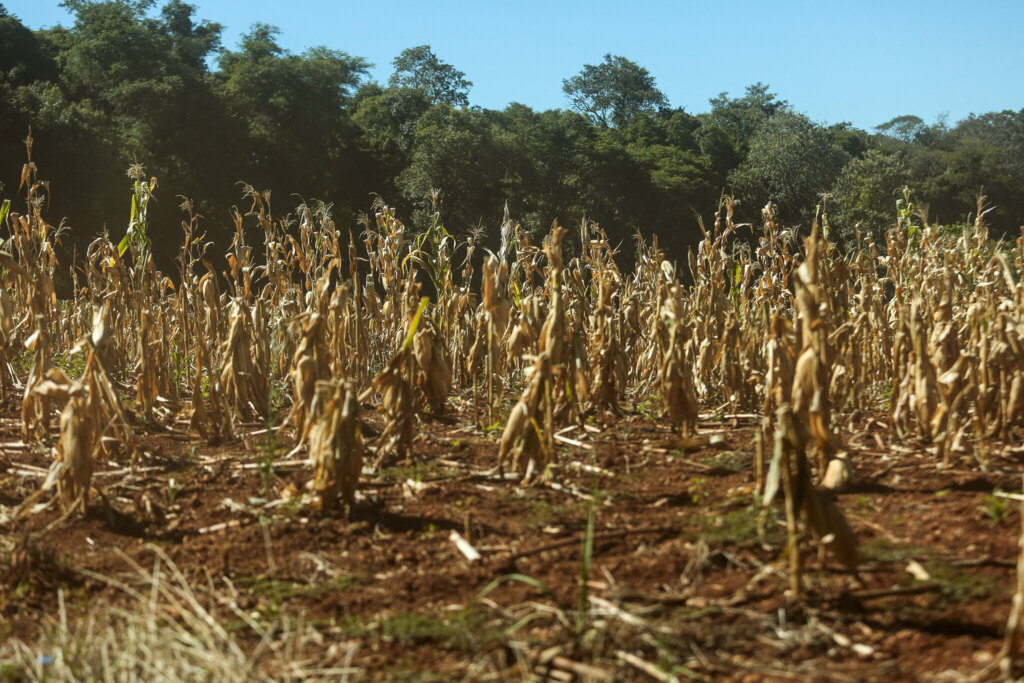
353	341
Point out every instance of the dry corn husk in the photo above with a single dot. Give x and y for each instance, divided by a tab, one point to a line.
809	395
244	378
398	405
336	449
211	416
79	439
433	373
522	440
396	384
310	367
790	472
35	423
674	378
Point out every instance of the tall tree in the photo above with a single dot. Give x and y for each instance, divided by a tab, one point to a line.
24	62
419	68
293	131
866	191
906	128
614	92
454	153
791	162
127	80
546	158
22	57
135	70
726	131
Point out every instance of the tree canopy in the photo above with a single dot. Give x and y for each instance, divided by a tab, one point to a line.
613	92
133	81
420	69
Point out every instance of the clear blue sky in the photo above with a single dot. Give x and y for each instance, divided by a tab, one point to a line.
863	62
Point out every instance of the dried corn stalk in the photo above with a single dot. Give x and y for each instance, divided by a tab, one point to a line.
605	355
7	327
790	471
810	377
524	440
396	384
310	366
433	372
492	319
79	439
211	416
336	449
35	422
674	376
91	422
244	377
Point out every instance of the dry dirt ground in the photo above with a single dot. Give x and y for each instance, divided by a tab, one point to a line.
688	576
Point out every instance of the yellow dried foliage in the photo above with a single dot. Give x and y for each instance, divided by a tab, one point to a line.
336	448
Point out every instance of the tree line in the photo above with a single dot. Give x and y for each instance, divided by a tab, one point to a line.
129	82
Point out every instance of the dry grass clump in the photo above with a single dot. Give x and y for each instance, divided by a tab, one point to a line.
171	630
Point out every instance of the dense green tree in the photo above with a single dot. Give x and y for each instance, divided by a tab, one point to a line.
24	64
907	128
130	80
853	141
791	162
673	184
291	126
125	82
418	68
545	159
987	155
726	131
134	70
22	57
866	191
386	119
455	153
614	92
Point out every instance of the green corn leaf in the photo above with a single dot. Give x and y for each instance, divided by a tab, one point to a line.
416	322
521	578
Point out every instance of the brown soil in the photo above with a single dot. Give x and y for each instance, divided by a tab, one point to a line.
680	577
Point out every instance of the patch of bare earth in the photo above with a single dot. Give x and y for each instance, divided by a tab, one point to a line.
687	578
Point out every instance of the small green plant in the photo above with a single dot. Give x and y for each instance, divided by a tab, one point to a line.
173	489
542	513
697	492
179	365
886	390
996	507
649	407
73	364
